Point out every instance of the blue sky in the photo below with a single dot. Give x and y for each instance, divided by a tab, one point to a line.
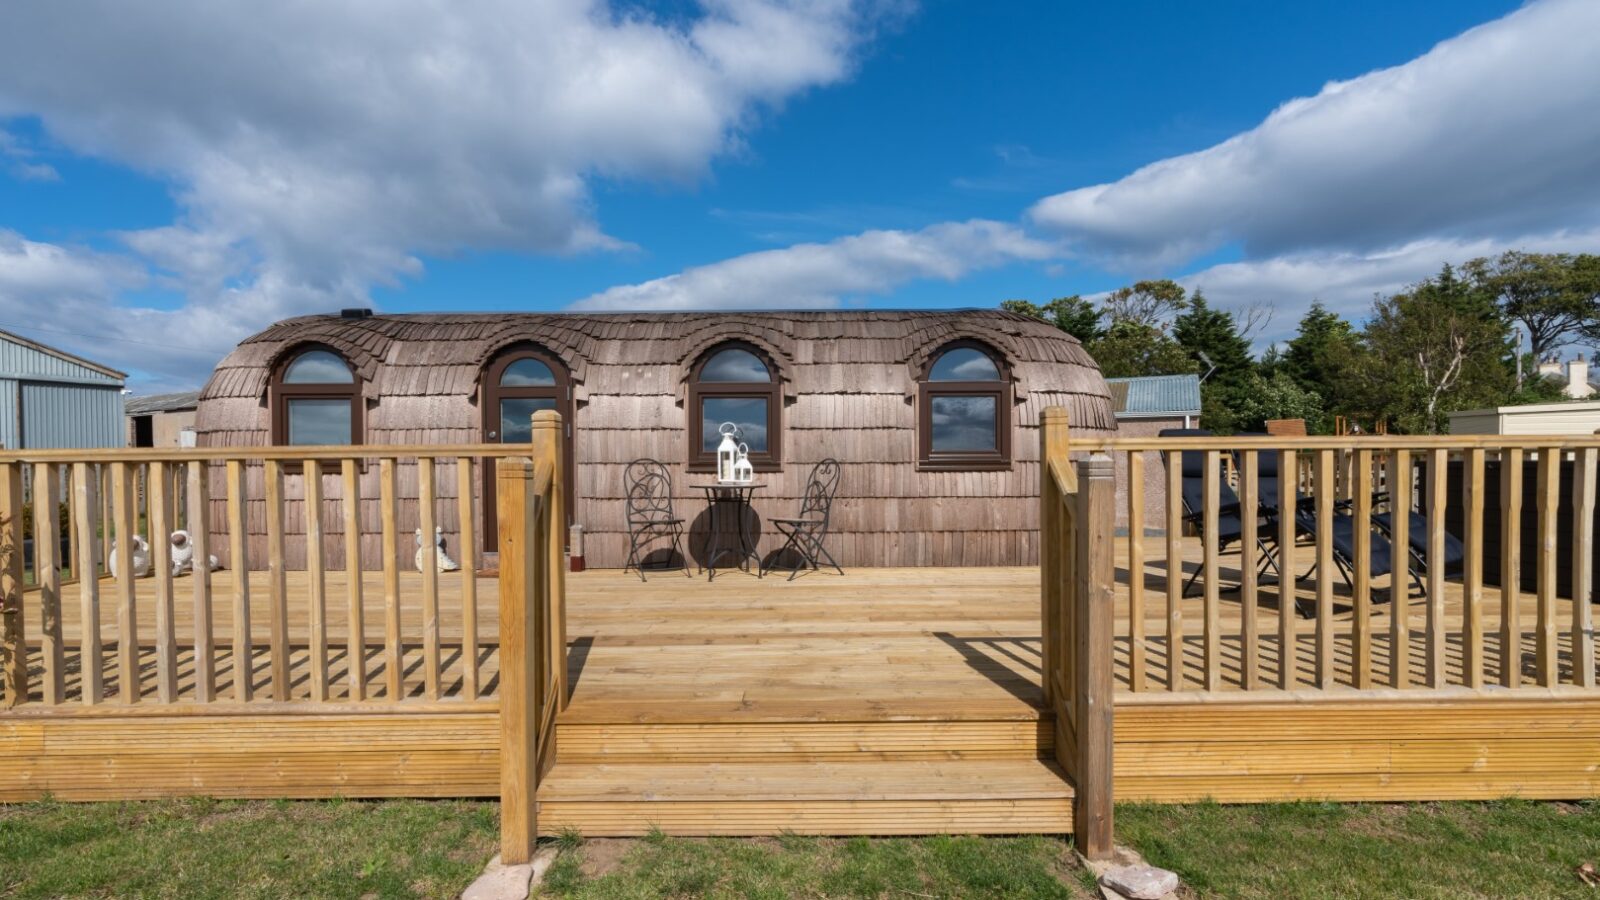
178	180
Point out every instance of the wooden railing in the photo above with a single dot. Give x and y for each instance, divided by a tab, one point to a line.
1077	570
1424	625
533	634
302	534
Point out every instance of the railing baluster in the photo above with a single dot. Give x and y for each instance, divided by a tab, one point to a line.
429	557
355	616
13	632
316	582
467	550
1211	627
1472	573
1583	490
1175	576
277	581
105	518
1288	592
1438	499
199	522
1249	625
47	569
91	657
160	511
239	557
1136	637
1510	567
393	674
124	510
1545	651
1399	576
1361	532
1325	573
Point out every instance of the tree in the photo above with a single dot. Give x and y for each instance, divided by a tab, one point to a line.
1553	296
1439	347
1277	396
1074	315
1148	303
1211	337
1129	350
1320	353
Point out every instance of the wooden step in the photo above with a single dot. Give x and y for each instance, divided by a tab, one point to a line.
706	742
876	797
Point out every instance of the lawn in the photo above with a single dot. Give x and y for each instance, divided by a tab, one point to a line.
412	848
217	848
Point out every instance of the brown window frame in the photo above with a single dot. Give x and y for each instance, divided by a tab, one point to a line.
964	461
490	394
769	460
279	393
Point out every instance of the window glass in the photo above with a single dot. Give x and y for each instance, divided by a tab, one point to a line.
319	422
735	365
516	417
318	367
963	424
528	373
964	364
749	413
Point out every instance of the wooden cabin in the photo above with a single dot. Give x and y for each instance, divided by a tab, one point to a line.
933	414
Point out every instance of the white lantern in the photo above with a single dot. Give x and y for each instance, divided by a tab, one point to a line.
727	452
743	472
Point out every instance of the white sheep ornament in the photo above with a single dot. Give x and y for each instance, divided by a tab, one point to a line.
141	557
183	554
442	560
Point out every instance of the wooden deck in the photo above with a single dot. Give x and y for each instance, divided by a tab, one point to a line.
882	701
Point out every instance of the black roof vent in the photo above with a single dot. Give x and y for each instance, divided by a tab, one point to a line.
359	312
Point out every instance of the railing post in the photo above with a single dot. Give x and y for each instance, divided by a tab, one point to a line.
13	646
517	511
1052	446
547	443
1094	621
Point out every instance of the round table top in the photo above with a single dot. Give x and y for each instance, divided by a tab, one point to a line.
726	485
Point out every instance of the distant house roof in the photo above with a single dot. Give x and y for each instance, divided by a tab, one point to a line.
95	370
160	403
1155	396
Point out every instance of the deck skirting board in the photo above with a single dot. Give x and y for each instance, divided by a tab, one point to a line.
1359	750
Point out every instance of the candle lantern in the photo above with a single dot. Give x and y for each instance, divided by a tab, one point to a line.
727	452
743	472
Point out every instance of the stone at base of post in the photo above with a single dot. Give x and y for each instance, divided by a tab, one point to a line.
575	548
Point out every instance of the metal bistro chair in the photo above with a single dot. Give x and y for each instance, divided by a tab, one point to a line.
807	531
650	512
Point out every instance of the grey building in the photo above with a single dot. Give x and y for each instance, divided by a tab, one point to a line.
52	399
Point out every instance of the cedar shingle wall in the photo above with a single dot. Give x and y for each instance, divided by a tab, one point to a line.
849	393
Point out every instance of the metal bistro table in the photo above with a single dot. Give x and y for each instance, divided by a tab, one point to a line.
724	500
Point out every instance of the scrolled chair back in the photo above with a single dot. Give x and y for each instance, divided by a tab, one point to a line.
820	489
649	486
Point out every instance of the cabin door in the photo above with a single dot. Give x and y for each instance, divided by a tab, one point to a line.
518	383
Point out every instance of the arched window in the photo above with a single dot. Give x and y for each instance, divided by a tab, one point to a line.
315	399
735	383
964	410
518	382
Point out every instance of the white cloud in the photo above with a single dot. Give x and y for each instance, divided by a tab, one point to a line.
821	275
318	148
1491	133
1347	282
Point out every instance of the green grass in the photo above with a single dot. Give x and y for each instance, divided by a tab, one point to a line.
212	848
777	868
1504	849
411	848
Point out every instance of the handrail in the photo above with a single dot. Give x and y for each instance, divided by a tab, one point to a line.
1363	442
263	453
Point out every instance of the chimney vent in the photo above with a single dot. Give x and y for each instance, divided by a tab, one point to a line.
358	312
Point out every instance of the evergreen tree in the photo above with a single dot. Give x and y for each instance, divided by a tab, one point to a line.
1129	350
1222	355
1074	315
1318	355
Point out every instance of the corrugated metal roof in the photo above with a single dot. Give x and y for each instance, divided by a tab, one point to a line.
155	403
30	360
1155	395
